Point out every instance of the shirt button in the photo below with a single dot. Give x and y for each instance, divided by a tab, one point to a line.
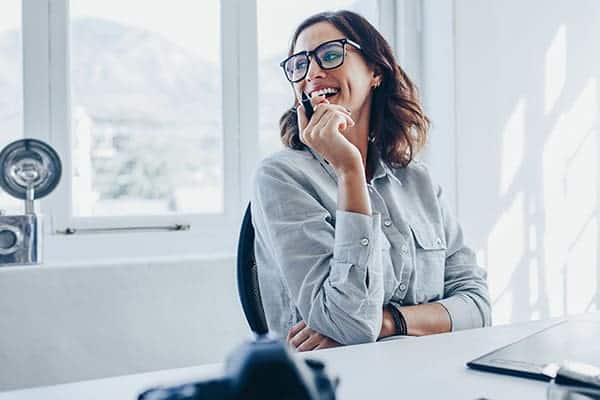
364	241
387	222
438	241
403	287
404	248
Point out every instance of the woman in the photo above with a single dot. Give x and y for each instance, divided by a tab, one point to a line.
353	240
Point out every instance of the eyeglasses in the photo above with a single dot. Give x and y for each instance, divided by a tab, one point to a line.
329	55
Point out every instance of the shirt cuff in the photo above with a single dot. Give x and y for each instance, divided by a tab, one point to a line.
355	236
462	311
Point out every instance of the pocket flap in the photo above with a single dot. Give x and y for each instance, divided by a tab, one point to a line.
428	239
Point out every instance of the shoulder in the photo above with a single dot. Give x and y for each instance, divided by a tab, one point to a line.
416	175
285	164
287	157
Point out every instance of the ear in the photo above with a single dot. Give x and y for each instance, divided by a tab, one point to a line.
376	81
376	78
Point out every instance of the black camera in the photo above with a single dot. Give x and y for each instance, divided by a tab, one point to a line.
263	369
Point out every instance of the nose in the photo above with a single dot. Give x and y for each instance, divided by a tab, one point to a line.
314	70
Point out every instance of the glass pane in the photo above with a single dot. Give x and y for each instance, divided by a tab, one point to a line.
11	87
277	21
146	107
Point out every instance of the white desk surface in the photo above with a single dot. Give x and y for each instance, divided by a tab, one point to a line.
430	367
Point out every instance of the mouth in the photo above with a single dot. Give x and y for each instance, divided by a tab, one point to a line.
327	92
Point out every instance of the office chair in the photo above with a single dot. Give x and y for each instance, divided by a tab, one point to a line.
247	278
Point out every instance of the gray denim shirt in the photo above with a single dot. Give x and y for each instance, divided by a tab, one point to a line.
336	270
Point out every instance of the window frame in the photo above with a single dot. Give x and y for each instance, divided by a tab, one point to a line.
47	117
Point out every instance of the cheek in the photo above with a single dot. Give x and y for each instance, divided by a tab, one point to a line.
359	85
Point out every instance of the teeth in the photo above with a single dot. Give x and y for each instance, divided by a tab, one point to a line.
323	92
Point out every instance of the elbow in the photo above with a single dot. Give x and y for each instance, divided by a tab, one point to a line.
357	331
485	308
483	305
344	326
365	331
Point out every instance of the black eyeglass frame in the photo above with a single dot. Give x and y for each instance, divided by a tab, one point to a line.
310	53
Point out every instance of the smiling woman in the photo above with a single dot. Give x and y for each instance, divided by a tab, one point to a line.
354	242
275	17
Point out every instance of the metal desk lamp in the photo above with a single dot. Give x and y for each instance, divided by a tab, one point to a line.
29	169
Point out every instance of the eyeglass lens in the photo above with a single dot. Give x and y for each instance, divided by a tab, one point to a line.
329	56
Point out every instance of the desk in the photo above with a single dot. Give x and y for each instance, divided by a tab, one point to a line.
430	367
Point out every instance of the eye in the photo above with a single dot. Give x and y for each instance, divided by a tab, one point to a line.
331	55
300	64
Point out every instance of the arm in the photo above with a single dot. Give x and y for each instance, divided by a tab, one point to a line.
332	273
466	301
466	295
340	300
421	320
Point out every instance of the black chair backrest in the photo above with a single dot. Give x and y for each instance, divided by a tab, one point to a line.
247	278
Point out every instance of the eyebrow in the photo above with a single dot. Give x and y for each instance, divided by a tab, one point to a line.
323	42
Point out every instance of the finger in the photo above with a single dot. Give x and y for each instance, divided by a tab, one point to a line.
319	130
301	336
329	107
327	344
321	116
339	121
314	126
295	329
333	121
340	108
302	119
312	342
320	99
319	112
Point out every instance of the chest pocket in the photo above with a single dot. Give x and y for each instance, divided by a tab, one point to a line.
430	262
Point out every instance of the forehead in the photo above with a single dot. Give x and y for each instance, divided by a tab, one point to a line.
316	34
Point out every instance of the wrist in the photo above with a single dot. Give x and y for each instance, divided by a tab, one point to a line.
351	171
400	325
350	165
388	326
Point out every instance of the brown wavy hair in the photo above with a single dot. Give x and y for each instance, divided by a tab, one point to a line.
397	120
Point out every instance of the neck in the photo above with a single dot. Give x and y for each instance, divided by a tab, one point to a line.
358	135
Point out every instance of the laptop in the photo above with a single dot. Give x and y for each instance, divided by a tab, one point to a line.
538	355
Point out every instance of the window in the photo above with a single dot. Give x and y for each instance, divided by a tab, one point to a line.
11	86
159	113
146	108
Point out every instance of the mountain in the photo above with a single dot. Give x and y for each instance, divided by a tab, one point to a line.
125	72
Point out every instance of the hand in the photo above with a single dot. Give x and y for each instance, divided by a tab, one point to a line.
304	338
324	134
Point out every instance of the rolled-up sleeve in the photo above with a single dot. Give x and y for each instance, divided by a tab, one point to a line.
466	295
330	264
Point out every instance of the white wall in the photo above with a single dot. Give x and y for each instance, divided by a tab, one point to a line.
528	151
61	324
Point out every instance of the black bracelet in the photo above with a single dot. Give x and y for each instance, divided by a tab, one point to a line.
399	321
